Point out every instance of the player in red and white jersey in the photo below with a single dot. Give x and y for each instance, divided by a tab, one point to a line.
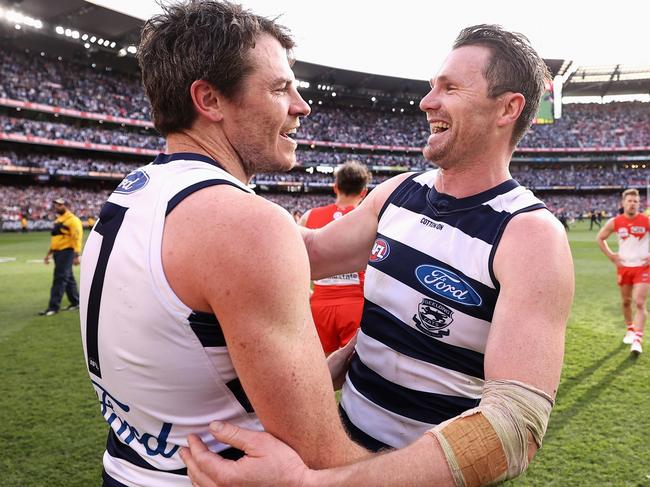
337	301
632	263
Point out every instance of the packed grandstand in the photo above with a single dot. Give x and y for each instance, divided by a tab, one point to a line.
73	124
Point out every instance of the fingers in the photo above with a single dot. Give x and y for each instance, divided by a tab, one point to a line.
196	457
231	435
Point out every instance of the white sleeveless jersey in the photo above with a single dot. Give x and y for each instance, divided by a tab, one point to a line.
430	295
160	370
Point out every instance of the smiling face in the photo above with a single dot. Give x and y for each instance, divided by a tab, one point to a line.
260	121
461	116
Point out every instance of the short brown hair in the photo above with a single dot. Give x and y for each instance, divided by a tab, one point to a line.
513	66
198	40
630	192
352	178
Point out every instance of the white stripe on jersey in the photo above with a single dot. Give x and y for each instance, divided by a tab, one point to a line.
426	178
134	476
151	359
513	200
415	374
402	302
383	425
462	250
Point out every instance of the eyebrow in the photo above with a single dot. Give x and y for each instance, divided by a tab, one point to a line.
282	81
442	78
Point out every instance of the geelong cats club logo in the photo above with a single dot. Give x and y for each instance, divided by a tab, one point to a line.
433	317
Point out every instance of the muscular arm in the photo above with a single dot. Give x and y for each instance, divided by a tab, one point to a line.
248	265
601	238
344	245
526	344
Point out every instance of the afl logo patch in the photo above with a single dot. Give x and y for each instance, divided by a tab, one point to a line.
380	250
447	284
134	181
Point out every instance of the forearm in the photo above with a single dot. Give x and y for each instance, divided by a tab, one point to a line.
604	248
422	463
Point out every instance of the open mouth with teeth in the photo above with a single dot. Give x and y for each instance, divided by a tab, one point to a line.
439	127
291	134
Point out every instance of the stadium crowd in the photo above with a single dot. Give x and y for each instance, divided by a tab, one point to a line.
28	76
62	83
585	176
75	132
35	202
34	77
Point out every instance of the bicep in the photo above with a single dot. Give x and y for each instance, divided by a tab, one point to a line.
258	288
344	245
534	267
263	309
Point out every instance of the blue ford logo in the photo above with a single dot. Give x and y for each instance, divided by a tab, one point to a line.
133	181
447	284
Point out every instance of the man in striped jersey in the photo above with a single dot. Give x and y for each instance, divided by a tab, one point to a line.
468	289
188	315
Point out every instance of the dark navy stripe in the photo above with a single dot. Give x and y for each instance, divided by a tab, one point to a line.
462	204
493	251
207	329
482	222
396	194
389	330
117	449
180	196
184	156
426	407
110	220
359	436
402	263
109	481
239	393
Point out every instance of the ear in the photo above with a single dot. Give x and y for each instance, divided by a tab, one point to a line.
512	104
207	100
335	188
363	193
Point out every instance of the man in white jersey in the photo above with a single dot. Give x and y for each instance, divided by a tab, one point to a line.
195	291
632	263
462	338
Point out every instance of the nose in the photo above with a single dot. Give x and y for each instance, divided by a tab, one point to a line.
299	107
431	101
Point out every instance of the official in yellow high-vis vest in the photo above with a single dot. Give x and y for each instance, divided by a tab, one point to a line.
65	249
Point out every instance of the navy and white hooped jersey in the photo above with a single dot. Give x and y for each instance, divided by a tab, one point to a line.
430	295
160	369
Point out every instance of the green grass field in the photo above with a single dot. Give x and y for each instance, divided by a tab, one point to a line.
51	432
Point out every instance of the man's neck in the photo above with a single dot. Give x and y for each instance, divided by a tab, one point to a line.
463	183
213	147
344	200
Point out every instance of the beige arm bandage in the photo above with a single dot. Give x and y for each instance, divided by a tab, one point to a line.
489	444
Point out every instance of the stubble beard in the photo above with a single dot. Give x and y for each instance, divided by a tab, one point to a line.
253	162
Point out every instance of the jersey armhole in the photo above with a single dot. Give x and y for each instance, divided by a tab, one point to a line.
502	228
397	192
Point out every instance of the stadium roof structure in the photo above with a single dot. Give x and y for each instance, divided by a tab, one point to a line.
79	22
618	79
